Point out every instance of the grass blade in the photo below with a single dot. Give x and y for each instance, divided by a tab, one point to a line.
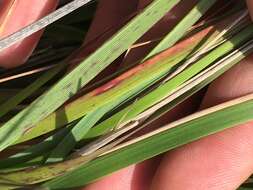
177	33
202	122
137	108
156	67
157	95
82	74
77	133
168	58
188	129
181	93
191	128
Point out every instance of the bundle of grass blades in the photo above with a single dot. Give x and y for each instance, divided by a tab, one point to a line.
88	91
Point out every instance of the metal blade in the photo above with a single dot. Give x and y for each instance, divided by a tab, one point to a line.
42	23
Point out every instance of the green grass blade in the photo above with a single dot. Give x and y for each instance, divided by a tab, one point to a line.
201	80
79	107
181	28
169	59
34	151
184	131
157	143
59	167
129	85
83	73
43	147
146	102
77	133
163	91
136	78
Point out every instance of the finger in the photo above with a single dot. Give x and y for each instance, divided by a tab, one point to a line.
15	15
221	161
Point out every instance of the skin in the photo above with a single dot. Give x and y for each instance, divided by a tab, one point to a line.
12	11
220	161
